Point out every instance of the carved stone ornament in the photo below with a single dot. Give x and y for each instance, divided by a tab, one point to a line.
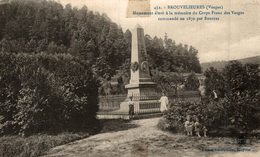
134	66
144	66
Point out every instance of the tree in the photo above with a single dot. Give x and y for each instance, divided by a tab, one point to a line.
46	26
192	82
46	92
101	68
242	94
168	81
238	87
214	81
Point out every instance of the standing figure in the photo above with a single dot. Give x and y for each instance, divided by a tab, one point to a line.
204	131
197	127
215	95
164	103
200	128
106	87
189	126
131	107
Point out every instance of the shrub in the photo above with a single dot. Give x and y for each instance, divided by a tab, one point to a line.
46	93
164	124
242	109
236	111
220	118
237	87
192	82
211	115
167	81
214	81
242	84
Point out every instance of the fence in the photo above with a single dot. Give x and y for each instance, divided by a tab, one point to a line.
112	102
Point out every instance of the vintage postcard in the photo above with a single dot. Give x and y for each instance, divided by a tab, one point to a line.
130	78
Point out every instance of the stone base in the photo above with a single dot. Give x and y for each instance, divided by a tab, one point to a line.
144	96
119	115
141	106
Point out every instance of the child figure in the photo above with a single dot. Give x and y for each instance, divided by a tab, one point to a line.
189	126
197	127
131	107
164	103
204	131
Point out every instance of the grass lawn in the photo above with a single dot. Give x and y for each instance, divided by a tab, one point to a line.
34	145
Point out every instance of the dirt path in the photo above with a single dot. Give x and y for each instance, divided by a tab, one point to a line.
147	140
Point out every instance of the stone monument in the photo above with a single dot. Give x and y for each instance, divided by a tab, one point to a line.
140	87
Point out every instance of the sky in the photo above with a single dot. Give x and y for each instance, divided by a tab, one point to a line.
232	37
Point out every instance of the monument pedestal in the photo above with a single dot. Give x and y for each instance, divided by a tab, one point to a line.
144	96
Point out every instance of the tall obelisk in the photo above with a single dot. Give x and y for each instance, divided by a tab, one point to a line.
141	87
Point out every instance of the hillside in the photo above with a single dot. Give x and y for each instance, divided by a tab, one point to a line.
29	26
221	64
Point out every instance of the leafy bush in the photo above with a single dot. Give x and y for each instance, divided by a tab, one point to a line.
167	81
236	111
164	124
214	81
238	85
192	82
242	83
210	114
46	93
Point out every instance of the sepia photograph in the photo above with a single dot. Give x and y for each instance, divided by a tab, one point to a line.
129	78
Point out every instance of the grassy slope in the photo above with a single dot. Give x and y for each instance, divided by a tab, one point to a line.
34	145
221	64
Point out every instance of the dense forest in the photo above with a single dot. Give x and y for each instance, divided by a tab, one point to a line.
46	26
